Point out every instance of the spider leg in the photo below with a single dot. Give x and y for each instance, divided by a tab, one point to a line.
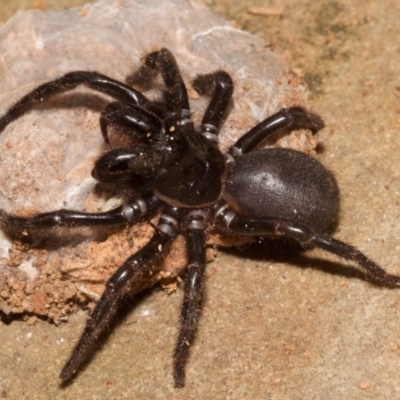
290	119
24	227
136	268
193	293
133	122
70	81
219	86
227	219
121	164
163	62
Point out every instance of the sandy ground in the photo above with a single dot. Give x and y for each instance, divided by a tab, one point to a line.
307	328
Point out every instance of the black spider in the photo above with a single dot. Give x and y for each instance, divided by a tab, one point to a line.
173	169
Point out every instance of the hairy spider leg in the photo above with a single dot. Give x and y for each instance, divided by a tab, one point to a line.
140	164
136	269
70	81
127	214
286	119
121	164
227	219
162	62
132	122
193	291
219	86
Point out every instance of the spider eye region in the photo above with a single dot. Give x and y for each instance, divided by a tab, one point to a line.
194	178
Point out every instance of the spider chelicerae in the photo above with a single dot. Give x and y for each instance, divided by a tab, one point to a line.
169	168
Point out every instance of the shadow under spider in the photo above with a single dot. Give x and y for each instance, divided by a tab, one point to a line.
287	251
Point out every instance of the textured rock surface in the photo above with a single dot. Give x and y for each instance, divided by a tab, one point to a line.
47	155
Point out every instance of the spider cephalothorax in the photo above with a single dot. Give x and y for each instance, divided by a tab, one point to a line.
168	167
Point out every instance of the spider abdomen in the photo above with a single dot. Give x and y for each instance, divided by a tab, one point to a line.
286	184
